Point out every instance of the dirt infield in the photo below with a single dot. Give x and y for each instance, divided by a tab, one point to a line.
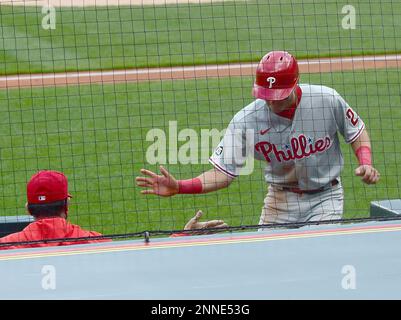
192	72
174	73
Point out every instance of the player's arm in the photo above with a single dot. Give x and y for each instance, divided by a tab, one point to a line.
166	185
354	132
226	160
362	150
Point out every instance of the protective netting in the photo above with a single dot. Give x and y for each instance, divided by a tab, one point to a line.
82	92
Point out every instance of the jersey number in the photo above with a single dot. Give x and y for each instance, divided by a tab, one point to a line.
351	116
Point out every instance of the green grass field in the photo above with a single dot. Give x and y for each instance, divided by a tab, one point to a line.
122	37
96	135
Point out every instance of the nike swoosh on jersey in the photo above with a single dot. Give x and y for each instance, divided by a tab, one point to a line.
262	132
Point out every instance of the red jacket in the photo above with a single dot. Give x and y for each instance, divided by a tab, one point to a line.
49	228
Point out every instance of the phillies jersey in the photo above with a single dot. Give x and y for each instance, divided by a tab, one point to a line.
302	152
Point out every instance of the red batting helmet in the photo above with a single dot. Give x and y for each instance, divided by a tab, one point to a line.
276	76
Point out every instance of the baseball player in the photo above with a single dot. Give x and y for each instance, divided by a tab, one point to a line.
48	202
294	129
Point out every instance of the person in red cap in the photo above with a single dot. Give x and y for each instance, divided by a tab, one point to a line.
48	198
294	129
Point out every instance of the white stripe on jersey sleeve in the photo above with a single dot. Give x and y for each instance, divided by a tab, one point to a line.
225	171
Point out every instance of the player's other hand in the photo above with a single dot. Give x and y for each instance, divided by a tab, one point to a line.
369	174
164	185
202	227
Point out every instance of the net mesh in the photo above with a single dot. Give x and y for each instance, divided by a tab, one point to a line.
101	89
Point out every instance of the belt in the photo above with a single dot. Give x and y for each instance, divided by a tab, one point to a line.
299	191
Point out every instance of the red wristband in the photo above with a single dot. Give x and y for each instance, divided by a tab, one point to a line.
191	186
364	155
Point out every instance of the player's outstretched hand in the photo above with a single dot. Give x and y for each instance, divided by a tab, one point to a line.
165	185
202	227
369	174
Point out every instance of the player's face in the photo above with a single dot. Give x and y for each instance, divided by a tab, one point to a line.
278	106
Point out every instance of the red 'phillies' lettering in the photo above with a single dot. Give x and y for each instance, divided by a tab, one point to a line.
351	116
264	147
300	148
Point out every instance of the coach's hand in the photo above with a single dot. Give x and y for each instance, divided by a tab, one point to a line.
202	227
369	174
165	185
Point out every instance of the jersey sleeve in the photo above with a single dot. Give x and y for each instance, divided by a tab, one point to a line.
231	153
349	124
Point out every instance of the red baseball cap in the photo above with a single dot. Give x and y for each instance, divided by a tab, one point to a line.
47	186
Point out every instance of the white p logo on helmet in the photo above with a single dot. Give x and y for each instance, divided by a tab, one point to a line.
271	80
